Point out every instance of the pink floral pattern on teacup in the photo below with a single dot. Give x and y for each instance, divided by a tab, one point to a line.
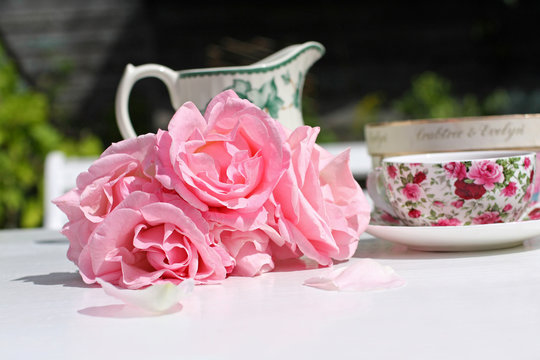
487	173
460	192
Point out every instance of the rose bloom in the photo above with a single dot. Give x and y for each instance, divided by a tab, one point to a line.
414	213
535	214
438	204
507	207
386	217
248	238
468	191
419	177
457	204
526	162
487	173
489	217
447	222
151	238
392	172
120	170
510	189
317	207
456	170
232	157
252	250
412	192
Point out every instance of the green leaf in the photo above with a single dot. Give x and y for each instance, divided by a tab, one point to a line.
241	87
286	77
403	180
410	178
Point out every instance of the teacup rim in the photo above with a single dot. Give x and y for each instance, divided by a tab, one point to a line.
456	156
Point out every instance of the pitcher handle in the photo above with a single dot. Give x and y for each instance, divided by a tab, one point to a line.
376	193
131	75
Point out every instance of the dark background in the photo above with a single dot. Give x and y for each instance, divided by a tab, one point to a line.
76	51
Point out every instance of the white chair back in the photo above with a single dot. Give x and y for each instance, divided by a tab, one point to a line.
60	176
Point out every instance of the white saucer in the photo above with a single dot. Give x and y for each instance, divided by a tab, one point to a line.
458	238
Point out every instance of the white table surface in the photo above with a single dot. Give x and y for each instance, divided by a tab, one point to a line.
483	305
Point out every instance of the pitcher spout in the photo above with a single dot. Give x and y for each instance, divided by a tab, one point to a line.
311	51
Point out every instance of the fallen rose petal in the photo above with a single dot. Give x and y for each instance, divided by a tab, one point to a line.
363	275
155	298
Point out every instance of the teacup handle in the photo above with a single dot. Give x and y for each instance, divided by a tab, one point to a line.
132	74
376	193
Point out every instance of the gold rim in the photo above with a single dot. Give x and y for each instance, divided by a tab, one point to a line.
452	120
528	148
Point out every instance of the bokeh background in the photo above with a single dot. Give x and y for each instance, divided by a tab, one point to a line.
61	61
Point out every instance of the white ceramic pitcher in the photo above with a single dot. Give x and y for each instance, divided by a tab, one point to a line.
274	84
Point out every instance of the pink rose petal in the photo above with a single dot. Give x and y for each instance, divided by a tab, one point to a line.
156	298
363	275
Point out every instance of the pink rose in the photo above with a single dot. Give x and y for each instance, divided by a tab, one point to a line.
526	162
252	250
392	172
414	213
457	204
147	239
317	207
412	192
489	217
447	222
119	171
507	207
438	204
456	170
510	189
232	157
227	193
248	238
486	173
534	214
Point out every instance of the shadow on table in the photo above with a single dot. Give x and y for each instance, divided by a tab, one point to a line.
123	311
382	249
52	241
67	279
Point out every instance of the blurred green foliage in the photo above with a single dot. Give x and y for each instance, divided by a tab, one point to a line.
26	137
431	96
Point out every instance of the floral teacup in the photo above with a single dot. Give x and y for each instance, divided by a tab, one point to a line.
451	189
